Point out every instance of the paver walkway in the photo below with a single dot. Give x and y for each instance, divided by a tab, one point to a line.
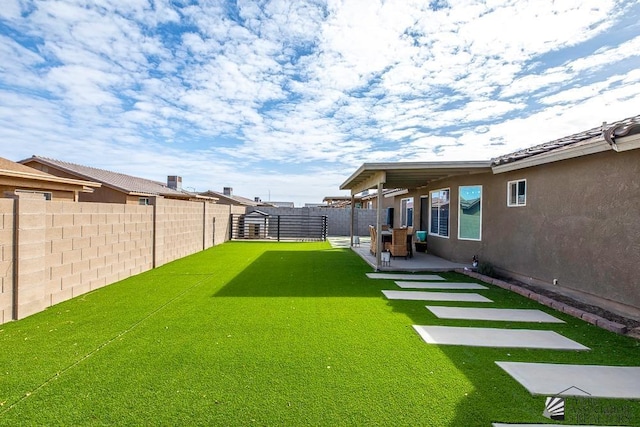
440	285
401	276
539	378
499	314
495	337
621	382
435	296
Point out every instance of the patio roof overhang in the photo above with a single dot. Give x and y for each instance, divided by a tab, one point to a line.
409	174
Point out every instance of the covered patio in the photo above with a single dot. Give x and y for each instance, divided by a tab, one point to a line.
420	261
404	175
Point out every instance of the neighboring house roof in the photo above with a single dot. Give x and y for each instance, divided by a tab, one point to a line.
257	213
233	199
119	181
12	169
372	195
606	132
282	204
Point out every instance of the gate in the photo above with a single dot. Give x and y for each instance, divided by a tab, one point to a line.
261	226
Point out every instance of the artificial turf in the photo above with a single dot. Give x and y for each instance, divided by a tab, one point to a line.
275	334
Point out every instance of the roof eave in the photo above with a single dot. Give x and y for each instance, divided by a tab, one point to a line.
381	169
50	178
593	146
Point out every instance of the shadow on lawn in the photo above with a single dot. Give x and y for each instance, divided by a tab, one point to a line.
326	273
340	273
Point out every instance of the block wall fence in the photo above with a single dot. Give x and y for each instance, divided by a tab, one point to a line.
52	251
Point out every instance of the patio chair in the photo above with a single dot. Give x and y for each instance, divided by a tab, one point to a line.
399	242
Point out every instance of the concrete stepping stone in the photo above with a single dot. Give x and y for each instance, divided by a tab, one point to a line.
500	314
440	285
496	337
400	276
435	296
613	382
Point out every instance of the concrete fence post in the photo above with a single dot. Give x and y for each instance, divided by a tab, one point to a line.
29	257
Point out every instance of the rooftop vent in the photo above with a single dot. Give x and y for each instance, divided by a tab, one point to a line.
174	182
227	191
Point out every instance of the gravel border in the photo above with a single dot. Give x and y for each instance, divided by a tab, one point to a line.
589	313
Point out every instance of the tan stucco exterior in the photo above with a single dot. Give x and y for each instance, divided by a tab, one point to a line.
580	226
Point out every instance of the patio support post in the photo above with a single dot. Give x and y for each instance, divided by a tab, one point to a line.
379	245
351	227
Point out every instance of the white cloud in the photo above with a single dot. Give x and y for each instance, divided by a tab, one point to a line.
208	88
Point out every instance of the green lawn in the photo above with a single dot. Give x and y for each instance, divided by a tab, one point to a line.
285	334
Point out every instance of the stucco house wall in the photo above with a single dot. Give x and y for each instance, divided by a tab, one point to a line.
580	225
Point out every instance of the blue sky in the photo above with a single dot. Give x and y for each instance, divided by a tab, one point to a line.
285	99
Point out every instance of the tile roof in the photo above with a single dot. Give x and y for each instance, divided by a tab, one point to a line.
8	165
119	181
606	131
14	169
238	199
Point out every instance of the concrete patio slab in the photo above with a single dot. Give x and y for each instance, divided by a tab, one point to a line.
500	314
400	276
435	296
495	337
615	382
419	262
440	285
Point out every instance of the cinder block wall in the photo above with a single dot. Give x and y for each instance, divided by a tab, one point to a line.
90	245
217	227
179	229
6	260
67	249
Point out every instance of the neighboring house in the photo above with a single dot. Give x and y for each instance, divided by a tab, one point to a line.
17	179
341	201
370	199
116	187
282	204
228	198
564	214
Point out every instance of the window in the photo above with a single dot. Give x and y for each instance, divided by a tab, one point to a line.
470	212
46	195
517	193
406	212
144	201
439	213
